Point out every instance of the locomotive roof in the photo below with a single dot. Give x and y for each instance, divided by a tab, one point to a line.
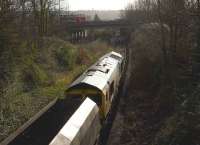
98	74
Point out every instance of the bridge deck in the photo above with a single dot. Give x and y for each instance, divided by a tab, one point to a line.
96	24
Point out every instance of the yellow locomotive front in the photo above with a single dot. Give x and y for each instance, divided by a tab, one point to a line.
82	91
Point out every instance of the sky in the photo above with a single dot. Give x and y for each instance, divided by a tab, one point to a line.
96	4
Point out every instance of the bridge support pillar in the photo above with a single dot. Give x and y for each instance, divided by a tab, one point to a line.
79	35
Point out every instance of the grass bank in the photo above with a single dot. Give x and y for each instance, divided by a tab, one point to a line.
42	76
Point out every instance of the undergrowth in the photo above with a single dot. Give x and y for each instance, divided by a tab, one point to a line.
41	76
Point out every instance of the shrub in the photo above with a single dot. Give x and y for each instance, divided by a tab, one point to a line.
66	57
33	76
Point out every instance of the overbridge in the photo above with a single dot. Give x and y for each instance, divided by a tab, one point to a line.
99	24
79	31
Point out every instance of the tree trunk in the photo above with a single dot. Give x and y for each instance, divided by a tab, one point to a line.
163	41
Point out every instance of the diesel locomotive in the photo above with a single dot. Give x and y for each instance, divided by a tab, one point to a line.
99	82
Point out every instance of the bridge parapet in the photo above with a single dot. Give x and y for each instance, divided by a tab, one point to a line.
97	24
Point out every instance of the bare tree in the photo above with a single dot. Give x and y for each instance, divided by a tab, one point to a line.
163	47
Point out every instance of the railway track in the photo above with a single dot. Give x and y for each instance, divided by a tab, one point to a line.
44	128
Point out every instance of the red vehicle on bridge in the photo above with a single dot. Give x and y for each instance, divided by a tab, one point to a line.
80	19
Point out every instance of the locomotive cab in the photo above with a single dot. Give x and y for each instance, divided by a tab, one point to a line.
81	91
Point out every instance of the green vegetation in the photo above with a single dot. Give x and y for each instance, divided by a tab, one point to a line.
42	76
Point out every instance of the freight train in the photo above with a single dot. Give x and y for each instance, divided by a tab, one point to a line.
99	82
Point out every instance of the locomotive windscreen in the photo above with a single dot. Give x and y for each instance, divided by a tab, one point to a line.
74	98
96	98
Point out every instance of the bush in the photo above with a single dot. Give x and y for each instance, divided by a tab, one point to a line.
147	55
34	76
66	57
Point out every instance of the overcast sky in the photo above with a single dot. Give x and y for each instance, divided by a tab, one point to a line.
96	4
